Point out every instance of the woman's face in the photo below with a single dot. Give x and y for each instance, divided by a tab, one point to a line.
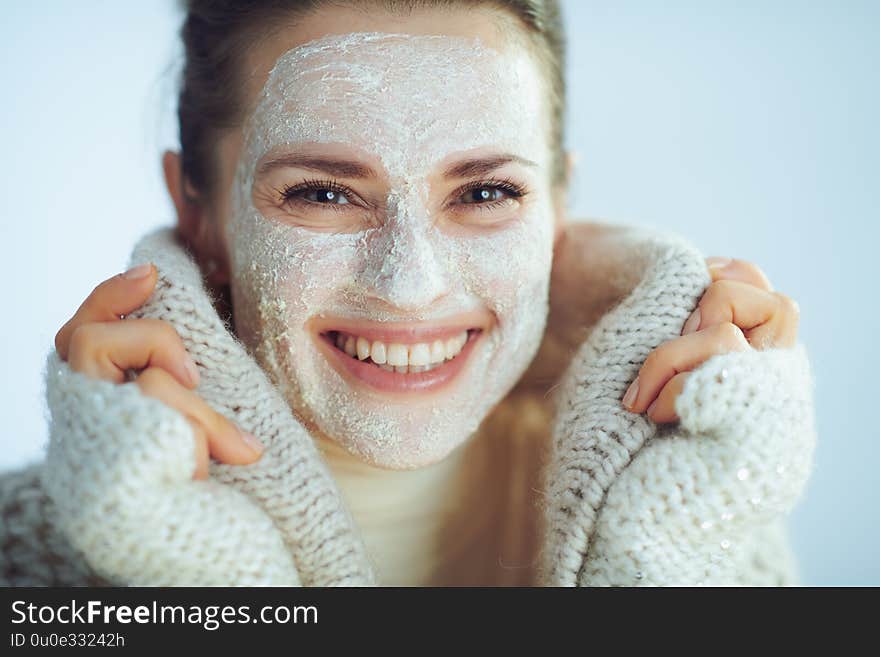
390	230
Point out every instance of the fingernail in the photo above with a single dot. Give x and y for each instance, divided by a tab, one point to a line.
140	271
692	323
192	370
252	441
631	393
716	262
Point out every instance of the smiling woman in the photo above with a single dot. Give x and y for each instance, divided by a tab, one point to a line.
373	350
408	249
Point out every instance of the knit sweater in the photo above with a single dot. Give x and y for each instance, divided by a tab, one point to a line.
624	501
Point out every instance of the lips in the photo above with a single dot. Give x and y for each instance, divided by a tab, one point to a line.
395	365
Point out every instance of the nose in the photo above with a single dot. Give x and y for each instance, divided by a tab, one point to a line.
403	267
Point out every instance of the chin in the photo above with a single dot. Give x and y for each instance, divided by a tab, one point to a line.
398	438
394	460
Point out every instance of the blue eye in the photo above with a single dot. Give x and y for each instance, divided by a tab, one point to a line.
324	196
318	192
483	194
490	194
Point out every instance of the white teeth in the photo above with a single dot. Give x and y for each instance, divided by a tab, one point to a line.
451	348
397	355
454	345
438	351
377	353
363	348
419	354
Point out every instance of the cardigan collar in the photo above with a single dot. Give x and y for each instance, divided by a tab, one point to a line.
652	282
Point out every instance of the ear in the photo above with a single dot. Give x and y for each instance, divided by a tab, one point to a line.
193	221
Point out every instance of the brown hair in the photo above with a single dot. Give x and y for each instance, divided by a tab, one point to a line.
217	33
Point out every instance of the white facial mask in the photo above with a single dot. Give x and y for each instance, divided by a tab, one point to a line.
409	101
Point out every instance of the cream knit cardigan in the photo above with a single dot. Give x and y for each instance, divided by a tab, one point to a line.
624	502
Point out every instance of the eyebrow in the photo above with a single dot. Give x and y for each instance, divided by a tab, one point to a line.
351	169
484	166
335	167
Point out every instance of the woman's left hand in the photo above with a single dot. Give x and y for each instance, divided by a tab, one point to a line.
737	312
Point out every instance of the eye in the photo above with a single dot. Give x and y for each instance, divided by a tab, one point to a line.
484	194
317	192
324	196
489	194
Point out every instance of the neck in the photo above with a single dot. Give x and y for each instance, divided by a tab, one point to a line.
412	520
467	520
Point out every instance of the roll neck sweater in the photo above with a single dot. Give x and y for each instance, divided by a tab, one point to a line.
619	500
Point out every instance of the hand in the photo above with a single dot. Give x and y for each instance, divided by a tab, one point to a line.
97	343
739	311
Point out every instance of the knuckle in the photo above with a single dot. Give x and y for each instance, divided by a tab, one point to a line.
789	305
720	289
152	378
756	275
749	266
83	338
221	426
756	271
164	332
715	297
731	335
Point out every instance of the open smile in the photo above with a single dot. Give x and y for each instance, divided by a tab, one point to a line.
399	359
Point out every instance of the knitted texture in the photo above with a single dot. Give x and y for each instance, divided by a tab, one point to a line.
119	466
701	501
698	502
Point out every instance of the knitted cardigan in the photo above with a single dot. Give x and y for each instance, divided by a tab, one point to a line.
625	502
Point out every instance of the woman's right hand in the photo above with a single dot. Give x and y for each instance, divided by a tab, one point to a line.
97	343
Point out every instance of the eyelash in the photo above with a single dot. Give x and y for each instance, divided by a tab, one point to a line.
513	190
290	192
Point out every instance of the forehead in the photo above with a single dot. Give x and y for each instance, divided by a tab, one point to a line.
410	100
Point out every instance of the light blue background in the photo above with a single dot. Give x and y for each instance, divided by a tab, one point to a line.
749	127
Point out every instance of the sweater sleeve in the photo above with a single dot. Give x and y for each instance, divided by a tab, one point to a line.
704	501
119	475
33	552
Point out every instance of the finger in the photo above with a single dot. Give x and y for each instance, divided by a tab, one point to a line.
203	458
736	302
104	350
738	270
116	296
226	442
781	330
662	409
680	355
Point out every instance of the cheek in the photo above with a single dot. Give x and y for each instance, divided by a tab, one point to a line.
509	268
285	274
